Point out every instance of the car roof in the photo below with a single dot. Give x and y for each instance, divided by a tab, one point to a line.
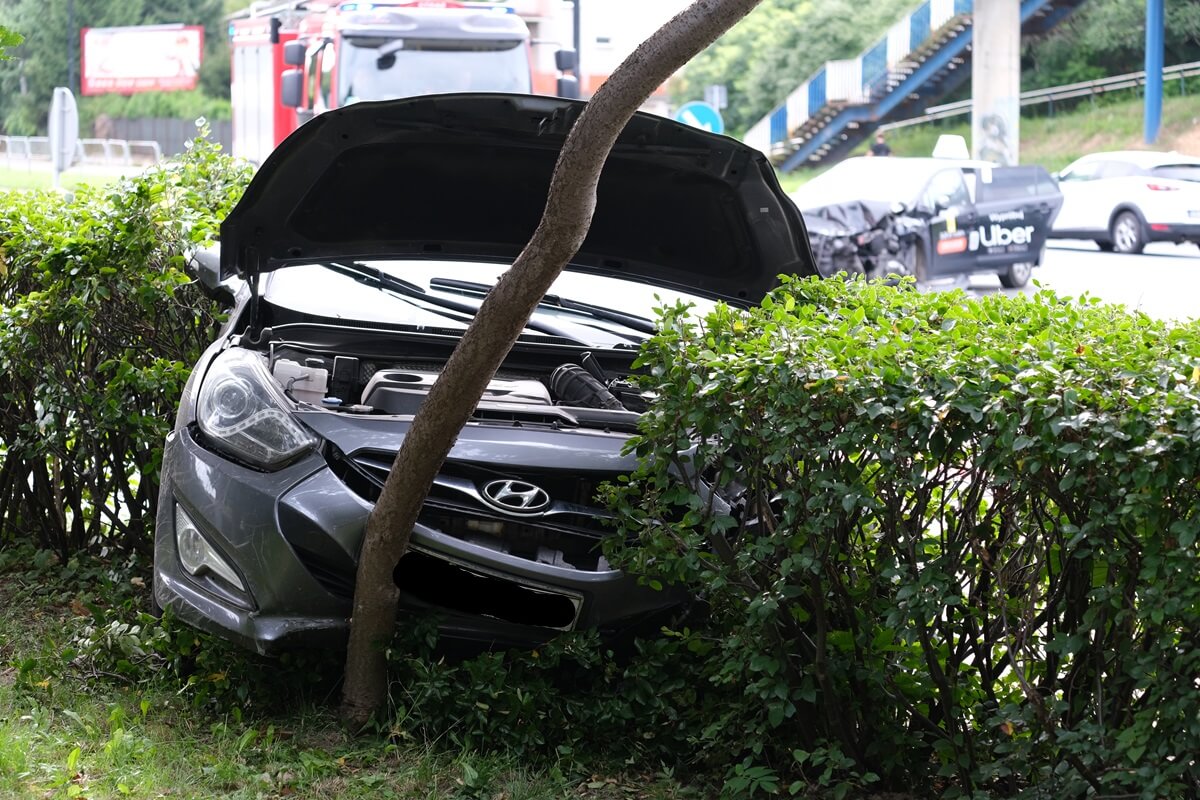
1142	158
843	182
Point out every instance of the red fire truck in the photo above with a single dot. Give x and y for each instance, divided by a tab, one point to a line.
302	57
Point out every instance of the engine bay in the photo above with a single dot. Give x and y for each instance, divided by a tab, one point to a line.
568	394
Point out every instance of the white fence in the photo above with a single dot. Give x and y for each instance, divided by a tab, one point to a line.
25	151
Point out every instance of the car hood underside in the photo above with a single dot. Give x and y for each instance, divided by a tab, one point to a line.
466	176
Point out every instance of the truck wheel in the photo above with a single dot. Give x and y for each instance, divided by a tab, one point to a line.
1127	234
1016	276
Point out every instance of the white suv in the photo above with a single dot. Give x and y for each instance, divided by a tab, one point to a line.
1123	200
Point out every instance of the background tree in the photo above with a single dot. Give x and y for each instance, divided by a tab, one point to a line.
1108	37
41	62
784	42
505	311
779	46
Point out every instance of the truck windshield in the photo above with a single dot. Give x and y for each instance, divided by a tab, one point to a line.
374	68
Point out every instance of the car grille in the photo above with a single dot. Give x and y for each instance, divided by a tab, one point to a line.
567	533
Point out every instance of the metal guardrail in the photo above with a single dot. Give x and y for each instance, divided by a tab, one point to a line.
28	150
1069	91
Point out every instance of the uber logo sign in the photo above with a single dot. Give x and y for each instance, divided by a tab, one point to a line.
1000	236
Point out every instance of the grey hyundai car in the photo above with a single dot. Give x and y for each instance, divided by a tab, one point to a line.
355	260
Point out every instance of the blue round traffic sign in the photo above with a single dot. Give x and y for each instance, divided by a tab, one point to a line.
700	115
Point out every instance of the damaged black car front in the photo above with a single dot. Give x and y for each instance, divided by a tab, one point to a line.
931	218
356	259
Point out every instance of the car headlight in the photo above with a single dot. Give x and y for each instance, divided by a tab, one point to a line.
241	413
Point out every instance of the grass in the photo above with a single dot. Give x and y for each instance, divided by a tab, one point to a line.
71	729
40	178
1110	123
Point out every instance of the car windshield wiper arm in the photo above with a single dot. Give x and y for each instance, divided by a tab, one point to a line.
383	280
631	321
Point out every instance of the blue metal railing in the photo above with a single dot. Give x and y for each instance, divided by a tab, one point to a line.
779	124
816	92
855	83
918	26
874	66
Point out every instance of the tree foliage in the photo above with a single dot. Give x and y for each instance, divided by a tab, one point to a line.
779	46
1108	37
41	62
8	39
784	42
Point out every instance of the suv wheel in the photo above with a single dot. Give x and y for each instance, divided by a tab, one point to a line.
1127	235
1017	275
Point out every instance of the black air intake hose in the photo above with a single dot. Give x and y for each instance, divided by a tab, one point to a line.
575	386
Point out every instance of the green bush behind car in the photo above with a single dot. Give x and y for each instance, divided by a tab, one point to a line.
99	325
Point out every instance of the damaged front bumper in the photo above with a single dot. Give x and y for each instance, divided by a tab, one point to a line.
490	576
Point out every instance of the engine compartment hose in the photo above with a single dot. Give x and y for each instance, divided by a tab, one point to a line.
575	386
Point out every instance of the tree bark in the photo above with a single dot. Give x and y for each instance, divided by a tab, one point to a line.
502	316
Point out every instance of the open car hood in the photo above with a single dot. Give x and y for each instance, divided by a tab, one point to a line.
466	176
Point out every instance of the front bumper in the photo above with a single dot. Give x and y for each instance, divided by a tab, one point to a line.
293	536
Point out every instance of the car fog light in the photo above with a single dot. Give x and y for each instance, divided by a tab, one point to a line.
197	555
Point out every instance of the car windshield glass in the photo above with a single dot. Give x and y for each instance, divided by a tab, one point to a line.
425	297
385	69
1178	172
880	179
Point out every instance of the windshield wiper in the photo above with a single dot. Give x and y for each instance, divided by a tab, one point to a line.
383	280
631	321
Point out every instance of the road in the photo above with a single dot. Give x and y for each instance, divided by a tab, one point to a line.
1164	281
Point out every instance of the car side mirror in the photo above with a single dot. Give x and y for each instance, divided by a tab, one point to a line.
565	61
899	208
942	203
293	54
568	87
205	265
291	88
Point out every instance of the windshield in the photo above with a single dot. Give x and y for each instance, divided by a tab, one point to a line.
881	179
377	68
320	291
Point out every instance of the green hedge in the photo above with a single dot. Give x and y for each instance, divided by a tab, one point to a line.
99	326
961	552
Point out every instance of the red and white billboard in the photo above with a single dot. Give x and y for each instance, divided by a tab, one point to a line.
147	58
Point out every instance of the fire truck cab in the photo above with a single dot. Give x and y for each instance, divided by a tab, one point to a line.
304	57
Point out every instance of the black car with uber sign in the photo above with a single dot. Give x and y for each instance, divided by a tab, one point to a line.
929	217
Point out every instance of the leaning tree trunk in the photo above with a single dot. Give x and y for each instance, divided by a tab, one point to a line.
500	320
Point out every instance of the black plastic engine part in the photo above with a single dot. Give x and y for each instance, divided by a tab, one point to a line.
575	386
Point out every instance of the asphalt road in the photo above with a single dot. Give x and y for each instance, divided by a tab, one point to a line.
1164	281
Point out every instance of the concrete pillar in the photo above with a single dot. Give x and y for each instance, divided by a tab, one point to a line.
996	81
